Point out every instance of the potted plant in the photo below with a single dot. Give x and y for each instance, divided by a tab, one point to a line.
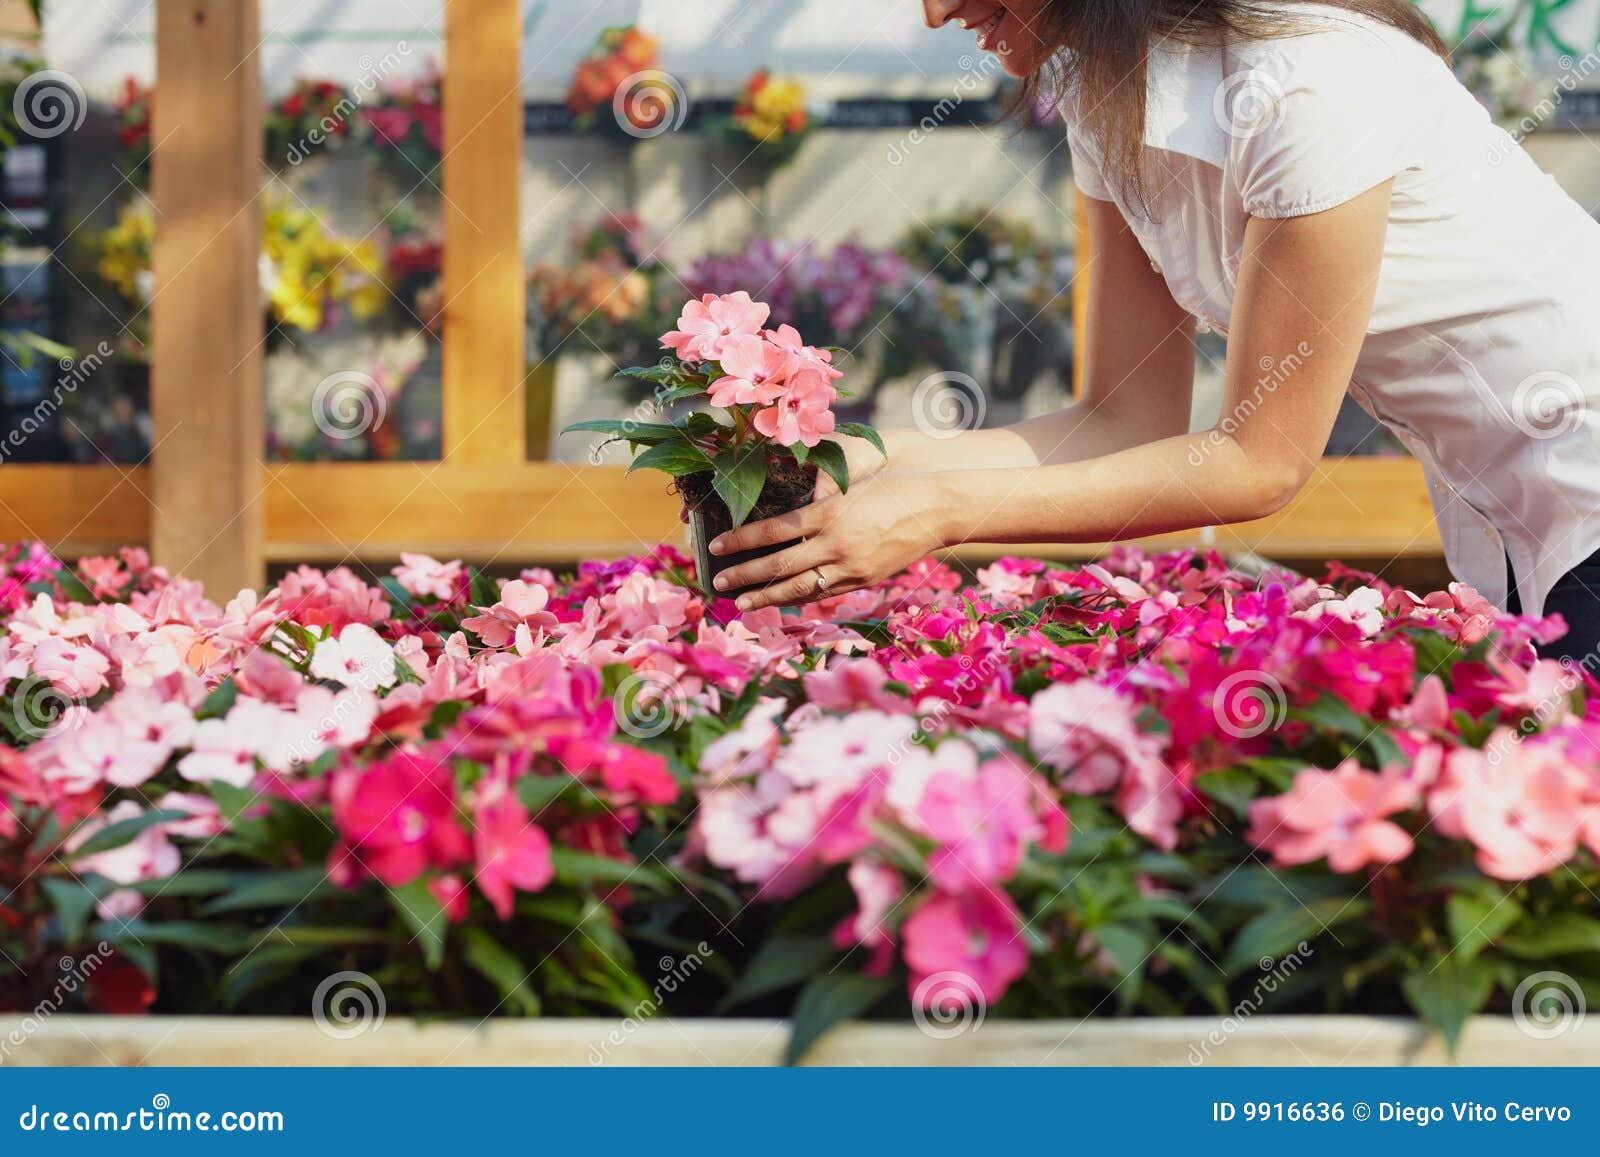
755	451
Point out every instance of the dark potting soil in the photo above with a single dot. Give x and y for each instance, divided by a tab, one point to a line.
789	487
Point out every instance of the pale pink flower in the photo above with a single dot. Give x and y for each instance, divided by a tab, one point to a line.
803	414
787	338
756	373
203	816
706	326
428	578
522	604
878	889
325	719
72	665
227	749
356	658
1362	608
1519	803
150	855
87	751
1340	815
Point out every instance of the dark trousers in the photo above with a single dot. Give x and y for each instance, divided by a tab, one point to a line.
1576	598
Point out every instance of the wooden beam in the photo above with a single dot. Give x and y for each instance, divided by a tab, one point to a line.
484	321
1374	508
206	314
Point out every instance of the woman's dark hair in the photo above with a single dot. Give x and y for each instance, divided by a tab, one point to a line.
1104	65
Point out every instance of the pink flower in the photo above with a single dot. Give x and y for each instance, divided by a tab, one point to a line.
522	604
707	325
512	852
756	370
428	578
983	824
396	819
74	666
878	889
227	749
964	949
357	658
802	414
787	338
150	855
204	816
1340	815
1520	803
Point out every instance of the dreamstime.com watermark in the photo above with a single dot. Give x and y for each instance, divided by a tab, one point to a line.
74	373
74	975
159	1117
675	973
1274	373
1547	1005
372	75
1573	73
975	72
1274	973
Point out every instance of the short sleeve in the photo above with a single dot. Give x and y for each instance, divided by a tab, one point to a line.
1085	168
1324	118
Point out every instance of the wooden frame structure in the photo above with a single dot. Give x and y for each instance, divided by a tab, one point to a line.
211	509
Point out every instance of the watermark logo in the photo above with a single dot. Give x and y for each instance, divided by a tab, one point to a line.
1547	1005
1247	104
348	1004
1249	703
948	1004
946	404
50	102
348	404
649	703
42	709
1548	404
649	104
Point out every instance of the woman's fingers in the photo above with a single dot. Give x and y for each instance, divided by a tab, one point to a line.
769	532
769	569
800	588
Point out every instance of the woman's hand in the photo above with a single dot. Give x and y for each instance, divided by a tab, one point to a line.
883	525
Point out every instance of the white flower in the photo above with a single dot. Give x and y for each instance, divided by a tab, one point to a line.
357	658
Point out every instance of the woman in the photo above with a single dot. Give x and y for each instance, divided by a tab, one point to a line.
1313	182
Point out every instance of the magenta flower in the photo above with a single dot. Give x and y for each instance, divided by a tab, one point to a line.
396	820
964	947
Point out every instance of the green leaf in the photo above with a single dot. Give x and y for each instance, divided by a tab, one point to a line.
423	914
273	890
864	431
482	591
583	868
1233	787
826	1001
1274	933
641	432
1128	947
1478	918
676	458
264	966
741	475
219	702
782	962
73	901
399	597
829	456
1445	996
124	831
1555	934
222	939
501	968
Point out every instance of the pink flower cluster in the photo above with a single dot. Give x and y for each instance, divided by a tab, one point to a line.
787	384
921	741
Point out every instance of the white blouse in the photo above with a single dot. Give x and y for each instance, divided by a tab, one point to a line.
1483	350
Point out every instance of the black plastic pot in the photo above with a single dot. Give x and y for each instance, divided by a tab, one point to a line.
709	516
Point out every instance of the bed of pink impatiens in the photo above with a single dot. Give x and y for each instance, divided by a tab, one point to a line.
1123	788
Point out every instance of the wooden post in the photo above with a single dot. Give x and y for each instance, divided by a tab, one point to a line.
484	318
1080	290
206	313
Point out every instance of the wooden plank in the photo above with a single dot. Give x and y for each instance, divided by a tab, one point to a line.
1260	1041
484	318
552	512
206	315
75	510
521	512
